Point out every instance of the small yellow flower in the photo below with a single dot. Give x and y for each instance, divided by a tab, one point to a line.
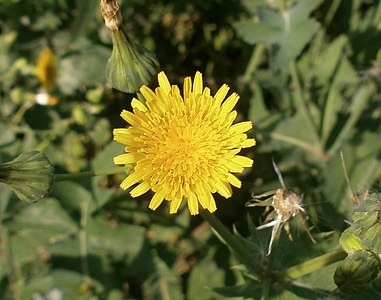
47	69
183	145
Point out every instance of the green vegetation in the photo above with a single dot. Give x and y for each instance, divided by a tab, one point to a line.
308	73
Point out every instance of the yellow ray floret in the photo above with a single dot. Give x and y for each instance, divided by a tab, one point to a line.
183	146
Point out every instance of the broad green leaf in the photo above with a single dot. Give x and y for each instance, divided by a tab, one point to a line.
83	67
289	133
72	195
205	276
288	32
119	240
47	216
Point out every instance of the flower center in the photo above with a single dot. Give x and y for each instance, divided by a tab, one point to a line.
182	151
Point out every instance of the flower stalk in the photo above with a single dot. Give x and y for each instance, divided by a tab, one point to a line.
312	265
92	173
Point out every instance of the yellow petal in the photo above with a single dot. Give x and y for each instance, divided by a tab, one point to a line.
193	204
223	188
241	127
175	204
130	118
156	200
123	159
212	204
229	104
243	161
234	181
135	103
221	94
139	190
187	87
122	135
147	93
164	83
248	143
130	180
197	84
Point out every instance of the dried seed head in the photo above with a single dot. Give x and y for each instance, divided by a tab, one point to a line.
111	14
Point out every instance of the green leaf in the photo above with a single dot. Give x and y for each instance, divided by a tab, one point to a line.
69	284
164	284
36	228
288	32
361	159
104	160
119	240
72	195
205	276
85	67
249	290
289	132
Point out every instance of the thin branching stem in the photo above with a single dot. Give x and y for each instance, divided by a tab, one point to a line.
110	171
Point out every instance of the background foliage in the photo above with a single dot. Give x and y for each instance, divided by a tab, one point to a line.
308	73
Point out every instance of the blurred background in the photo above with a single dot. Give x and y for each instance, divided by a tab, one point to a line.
308	74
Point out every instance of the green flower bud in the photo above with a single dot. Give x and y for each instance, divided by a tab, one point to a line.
367	222
376	283
30	175
357	271
130	65
350	242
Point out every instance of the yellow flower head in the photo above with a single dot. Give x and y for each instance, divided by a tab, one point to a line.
183	145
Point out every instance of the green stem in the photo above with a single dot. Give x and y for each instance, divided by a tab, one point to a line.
110	171
241	252
266	289
83	240
312	265
253	63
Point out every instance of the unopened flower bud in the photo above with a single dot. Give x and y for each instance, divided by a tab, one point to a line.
130	65
30	175
367	222
350	242
357	271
